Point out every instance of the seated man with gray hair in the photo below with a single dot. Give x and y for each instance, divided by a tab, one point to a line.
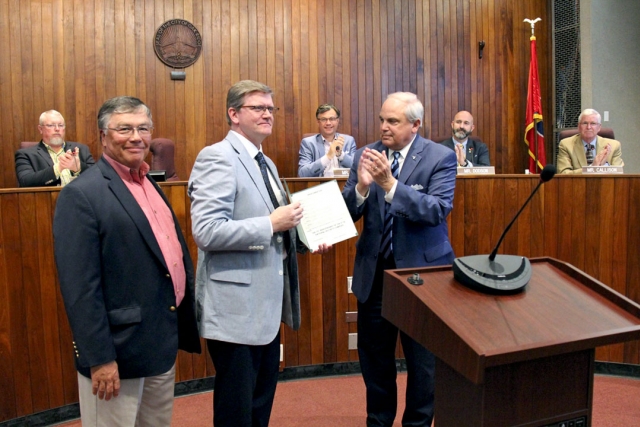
587	148
53	161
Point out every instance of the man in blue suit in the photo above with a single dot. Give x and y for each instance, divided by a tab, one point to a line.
246	230
126	277
402	186
320	154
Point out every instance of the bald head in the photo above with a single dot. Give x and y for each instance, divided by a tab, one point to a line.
462	125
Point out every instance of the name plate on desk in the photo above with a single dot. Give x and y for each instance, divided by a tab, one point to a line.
477	170
591	170
338	172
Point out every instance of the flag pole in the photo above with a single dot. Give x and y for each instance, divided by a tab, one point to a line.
536	120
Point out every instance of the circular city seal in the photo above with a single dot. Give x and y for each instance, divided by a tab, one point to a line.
178	43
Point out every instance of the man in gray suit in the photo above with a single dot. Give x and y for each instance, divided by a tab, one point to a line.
247	232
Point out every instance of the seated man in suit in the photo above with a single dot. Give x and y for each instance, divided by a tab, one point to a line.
469	152
322	153
586	148
52	162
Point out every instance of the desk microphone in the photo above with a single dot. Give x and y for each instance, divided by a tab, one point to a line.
499	274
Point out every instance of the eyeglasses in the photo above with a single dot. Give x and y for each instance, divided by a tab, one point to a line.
128	130
328	119
593	124
261	108
55	125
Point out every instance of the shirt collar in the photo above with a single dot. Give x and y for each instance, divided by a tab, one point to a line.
404	151
125	172
248	145
50	148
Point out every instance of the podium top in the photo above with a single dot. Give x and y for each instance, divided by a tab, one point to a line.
561	310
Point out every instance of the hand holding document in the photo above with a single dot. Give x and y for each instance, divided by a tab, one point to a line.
326	218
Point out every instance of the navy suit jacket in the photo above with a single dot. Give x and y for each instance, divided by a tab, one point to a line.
421	203
115	284
34	166
477	151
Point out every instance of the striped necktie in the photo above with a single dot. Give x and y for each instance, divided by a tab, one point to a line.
387	232
589	154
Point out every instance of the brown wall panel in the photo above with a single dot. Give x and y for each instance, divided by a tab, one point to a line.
71	55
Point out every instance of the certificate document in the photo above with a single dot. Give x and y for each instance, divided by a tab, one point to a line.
326	218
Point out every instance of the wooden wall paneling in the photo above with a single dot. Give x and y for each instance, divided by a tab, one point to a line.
512	202
48	290
91	101
69	383
565	188
343	91
618	238
8	398
17	95
27	59
38	44
537	221
329	307
578	227
602	232
551	226
499	216
450	39
79	56
19	303
487	215
438	61
421	69
372	85
470	224
342	270
525	231
6	127
631	349
316	326
359	68
32	293
456	220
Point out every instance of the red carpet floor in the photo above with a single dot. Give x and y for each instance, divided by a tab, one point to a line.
340	402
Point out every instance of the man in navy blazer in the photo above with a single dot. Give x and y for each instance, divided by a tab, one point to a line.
53	161
126	278
469	152
404	225
320	154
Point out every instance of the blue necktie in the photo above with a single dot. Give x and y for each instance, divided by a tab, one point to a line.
387	232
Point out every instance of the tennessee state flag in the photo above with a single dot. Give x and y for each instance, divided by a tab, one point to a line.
534	116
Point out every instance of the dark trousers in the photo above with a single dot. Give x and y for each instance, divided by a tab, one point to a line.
376	348
245	384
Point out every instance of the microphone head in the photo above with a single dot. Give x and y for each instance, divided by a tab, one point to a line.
547	173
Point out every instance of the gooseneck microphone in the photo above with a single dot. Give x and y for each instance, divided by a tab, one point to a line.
499	273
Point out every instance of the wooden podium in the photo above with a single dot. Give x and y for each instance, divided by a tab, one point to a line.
512	360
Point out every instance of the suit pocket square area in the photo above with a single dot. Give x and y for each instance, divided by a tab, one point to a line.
417	187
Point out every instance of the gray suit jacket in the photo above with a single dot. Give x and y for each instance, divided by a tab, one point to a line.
248	288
